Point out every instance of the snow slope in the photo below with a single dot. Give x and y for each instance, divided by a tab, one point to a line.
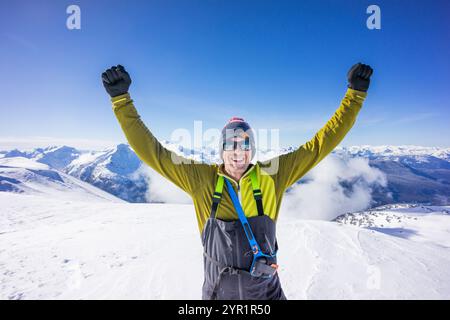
52	248
410	221
22	175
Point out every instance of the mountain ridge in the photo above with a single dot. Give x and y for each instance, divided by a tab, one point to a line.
415	173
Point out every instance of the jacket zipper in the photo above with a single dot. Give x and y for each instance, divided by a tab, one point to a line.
232	180
239	194
238	184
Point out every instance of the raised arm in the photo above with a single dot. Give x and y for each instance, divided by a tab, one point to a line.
181	171
294	165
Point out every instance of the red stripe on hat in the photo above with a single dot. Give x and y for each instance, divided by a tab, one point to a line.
236	119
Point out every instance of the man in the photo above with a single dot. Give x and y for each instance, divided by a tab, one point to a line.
237	203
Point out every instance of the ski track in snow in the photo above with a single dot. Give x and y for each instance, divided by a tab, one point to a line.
67	249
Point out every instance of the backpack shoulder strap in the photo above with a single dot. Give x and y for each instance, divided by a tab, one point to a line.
257	194
217	196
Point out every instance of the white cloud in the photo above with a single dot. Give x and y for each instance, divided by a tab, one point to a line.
323	197
162	190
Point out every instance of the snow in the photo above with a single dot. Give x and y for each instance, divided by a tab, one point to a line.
86	158
68	249
33	178
402	150
21	162
332	262
62	238
427	224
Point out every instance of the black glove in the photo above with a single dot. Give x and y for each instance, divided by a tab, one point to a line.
359	77
116	81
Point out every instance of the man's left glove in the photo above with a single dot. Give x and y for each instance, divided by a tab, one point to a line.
116	81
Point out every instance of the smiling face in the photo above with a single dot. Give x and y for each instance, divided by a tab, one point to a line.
237	159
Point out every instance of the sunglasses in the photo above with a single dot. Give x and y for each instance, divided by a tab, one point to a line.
231	145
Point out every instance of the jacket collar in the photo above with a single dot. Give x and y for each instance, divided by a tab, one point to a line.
221	172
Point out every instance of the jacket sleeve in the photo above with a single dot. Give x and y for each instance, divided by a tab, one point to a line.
294	165
184	173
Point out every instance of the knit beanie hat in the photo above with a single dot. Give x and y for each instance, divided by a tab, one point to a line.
237	127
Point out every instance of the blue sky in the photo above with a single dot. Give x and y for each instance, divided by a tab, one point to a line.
278	64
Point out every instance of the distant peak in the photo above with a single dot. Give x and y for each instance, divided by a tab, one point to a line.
123	146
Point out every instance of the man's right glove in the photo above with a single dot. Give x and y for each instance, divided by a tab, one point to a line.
116	81
359	77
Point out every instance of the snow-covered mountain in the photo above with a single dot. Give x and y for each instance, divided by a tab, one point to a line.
58	157
59	249
114	170
414	174
391	151
22	175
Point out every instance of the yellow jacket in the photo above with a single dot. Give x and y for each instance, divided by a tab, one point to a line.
199	179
